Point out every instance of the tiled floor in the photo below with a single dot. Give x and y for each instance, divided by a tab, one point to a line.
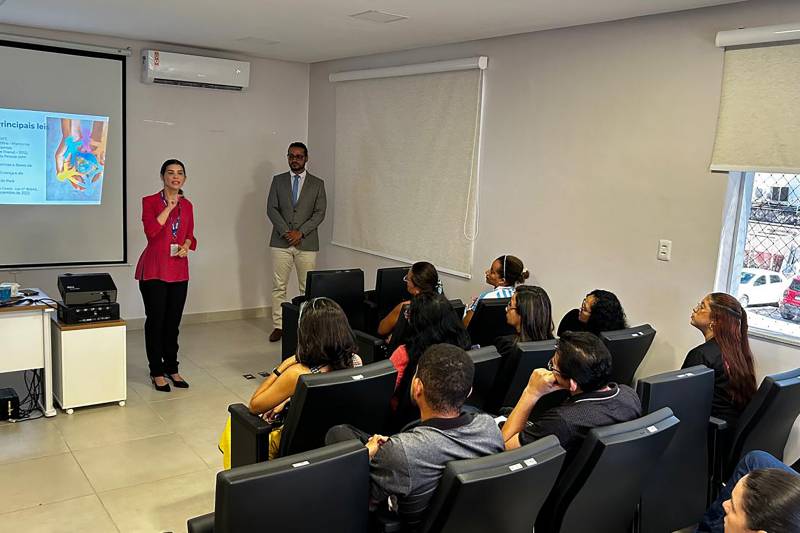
144	467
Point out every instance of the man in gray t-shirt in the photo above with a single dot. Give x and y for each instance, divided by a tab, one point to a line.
405	468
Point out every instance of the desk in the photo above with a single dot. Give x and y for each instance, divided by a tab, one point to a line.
26	343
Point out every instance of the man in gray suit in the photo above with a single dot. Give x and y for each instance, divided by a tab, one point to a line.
296	206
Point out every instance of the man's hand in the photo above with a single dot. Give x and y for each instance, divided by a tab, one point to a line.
542	382
294	237
374	444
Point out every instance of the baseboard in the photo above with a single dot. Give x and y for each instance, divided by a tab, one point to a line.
212	316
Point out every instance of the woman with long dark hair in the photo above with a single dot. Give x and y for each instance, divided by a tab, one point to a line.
530	314
163	272
431	320
505	273
723	323
600	311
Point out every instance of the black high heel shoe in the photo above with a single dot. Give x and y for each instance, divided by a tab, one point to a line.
160	388
179	383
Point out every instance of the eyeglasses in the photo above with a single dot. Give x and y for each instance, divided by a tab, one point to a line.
585	306
552	368
295	156
509	307
699	307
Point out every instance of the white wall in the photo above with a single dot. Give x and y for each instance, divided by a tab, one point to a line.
597	142
232	144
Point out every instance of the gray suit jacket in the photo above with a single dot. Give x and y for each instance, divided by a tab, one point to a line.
305	216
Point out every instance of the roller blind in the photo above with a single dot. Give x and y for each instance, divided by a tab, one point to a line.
759	114
406	167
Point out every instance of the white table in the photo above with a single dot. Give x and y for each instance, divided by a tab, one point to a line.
25	343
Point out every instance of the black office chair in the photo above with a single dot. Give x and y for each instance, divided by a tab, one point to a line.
489	321
764	425
599	489
357	396
628	348
345	287
487	362
515	371
501	492
390	290
326	489
674	496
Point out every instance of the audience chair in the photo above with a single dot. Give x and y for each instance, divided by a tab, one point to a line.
390	290
764	425
487	362
357	396
326	489
515	371
628	348
489	322
599	488
674	496
345	287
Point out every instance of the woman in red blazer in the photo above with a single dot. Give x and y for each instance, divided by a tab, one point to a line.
163	272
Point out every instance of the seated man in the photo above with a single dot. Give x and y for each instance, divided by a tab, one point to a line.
405	468
581	366
763	494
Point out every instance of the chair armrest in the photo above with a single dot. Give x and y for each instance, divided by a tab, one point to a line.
298	300
370	348
254	423
717	428
717	424
382	521
290	312
201	524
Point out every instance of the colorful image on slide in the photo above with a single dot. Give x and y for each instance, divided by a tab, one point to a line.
76	156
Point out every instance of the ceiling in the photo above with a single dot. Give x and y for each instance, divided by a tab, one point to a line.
318	30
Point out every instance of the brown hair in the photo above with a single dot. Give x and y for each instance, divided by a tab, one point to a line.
512	270
730	332
324	336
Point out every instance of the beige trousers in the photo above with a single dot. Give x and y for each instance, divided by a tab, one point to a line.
283	259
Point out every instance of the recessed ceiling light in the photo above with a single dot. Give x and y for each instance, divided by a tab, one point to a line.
378	16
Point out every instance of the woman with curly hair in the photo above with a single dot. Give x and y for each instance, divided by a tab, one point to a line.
726	350
600	311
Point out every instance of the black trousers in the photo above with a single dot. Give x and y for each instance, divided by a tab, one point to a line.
163	307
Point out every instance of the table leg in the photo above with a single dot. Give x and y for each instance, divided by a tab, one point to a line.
48	364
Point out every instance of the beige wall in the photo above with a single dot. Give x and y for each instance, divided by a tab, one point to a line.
596	144
231	143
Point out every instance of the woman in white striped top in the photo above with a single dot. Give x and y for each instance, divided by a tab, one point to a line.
505	273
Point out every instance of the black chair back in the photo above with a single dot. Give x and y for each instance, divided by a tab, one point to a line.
321	490
501	492
674	496
768	418
390	289
487	362
628	348
357	396
599	489
489	321
515	371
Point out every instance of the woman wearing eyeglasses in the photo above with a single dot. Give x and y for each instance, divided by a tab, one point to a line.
325	342
529	313
600	311
723	323
503	275
422	278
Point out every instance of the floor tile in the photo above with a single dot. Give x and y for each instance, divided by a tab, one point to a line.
91	427
196	411
138	461
163	505
79	514
39	481
28	440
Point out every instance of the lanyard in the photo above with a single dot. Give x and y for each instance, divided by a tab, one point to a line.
177	222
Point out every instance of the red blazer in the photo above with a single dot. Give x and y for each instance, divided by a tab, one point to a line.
155	261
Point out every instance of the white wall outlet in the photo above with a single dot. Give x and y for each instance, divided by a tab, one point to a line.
664	250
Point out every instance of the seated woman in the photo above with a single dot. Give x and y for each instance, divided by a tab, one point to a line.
726	350
529	313
431	320
504	274
325	342
422	277
600	311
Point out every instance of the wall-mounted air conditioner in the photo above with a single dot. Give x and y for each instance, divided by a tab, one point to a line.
194	71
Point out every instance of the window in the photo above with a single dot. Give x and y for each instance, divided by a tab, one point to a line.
760	242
